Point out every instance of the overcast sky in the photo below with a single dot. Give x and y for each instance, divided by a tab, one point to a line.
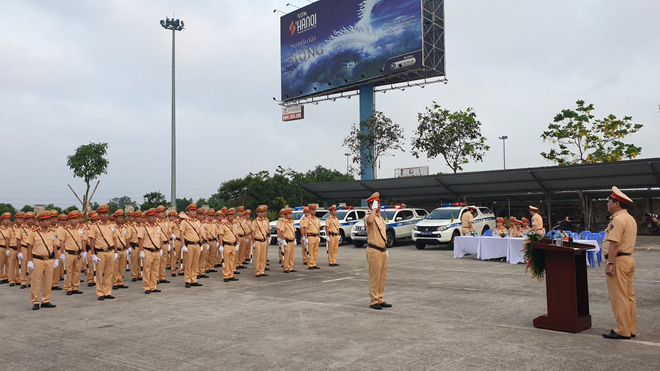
79	71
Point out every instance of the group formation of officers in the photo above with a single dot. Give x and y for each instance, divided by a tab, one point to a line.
517	227
39	251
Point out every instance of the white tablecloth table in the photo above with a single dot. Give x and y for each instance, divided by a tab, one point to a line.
464	245
492	248
514	252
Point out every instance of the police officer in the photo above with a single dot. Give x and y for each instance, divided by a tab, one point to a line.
537	220
42	258
8	255
74	247
261	238
466	221
376	253
192	238
619	244
123	243
101	241
289	236
500	228
311	231
151	241
175	236
136	262
229	238
332	233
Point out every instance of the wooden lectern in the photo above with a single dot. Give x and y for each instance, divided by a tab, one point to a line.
566	286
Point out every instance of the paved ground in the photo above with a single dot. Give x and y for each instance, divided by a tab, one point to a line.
448	314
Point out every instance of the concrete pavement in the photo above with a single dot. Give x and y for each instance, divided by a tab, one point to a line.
448	314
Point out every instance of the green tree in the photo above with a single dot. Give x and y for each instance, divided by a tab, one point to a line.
580	138
4	208
182	203
88	163
153	199
378	134
456	136
27	208
53	207
121	202
70	209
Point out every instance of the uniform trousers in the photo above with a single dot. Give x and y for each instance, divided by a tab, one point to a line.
260	257
104	273
150	265
622	296
289	251
136	263
162	265
176	262
25	279
191	263
41	275
119	268
12	266
304	251
377	273
333	247
91	268
4	267
203	256
313	249
73	266
229	254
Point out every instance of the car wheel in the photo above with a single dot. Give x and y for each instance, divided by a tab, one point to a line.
420	245
358	243
451	242
342	238
390	239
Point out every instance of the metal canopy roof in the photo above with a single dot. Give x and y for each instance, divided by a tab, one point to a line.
638	176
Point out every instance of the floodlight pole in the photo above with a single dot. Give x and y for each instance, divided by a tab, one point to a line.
174	25
347	168
504	138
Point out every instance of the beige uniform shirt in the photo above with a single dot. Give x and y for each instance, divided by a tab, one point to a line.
332	225
103	235
43	243
124	236
73	240
152	236
288	230
229	232
7	235
190	231
537	224
261	229
622	230
376	234
313	225
466	220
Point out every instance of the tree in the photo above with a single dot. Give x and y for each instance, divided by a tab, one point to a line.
88	163
580	138
153	199
27	208
456	136
53	207
378	135
121	202
70	209
7	208
182	203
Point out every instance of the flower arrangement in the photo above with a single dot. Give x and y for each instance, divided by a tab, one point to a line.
503	234
535	258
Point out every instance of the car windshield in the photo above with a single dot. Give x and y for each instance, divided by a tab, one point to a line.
388	214
340	215
444	214
297	215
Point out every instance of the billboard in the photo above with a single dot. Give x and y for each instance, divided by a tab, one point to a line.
411	171
331	46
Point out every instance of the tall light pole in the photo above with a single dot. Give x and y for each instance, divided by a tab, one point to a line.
174	25
347	169
504	138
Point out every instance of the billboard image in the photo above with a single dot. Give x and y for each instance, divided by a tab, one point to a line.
331	44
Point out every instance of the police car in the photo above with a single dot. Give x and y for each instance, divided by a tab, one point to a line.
444	224
399	222
297	214
348	217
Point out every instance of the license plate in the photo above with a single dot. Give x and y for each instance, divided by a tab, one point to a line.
360	233
427	233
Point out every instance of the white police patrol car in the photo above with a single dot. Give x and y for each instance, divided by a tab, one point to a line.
348	217
444	224
297	214
399	222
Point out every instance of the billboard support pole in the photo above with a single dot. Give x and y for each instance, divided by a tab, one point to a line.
367	106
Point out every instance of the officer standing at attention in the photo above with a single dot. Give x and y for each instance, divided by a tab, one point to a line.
123	244
466	221
191	234
151	241
175	237
311	232
261	238
42	257
619	244
537	220
101	240
303	243
376	253
289	236
332	232
8	254
228	239
74	247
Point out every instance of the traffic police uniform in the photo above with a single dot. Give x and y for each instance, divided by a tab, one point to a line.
205	247
229	238
74	246
151	240
620	267
175	235
312	232
42	257
376	254
90	274
8	255
191	234
102	236
289	236
466	222
261	237
164	227
332	233
500	228
123	244
537	221
303	244
214	230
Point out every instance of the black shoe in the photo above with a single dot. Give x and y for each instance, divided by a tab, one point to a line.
3	282
267	269
168	268
376	306
196	284
35	307
156	290
233	279
109	297
56	288
226	279
293	270
310	268
216	266
304	263
77	292
68	293
258	275
29	285
11	284
187	285
115	287
173	274
237	272
386	305
213	271
202	276
101	297
23	286
164	281
335	265
139	278
91	284
61	279
614	335
147	292
317	267
633	336
264	275
241	267
122	287
134	279
48	305
286	271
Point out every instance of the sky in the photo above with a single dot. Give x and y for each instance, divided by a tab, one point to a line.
78	71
